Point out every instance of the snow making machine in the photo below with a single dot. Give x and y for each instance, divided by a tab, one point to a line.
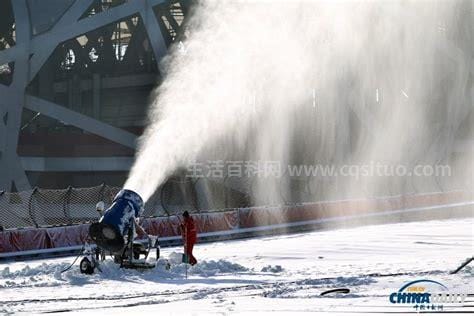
115	234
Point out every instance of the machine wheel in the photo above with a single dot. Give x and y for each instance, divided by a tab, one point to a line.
86	266
136	254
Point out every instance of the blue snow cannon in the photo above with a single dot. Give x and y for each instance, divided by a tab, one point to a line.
116	227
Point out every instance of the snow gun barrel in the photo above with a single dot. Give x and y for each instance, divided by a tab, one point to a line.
116	226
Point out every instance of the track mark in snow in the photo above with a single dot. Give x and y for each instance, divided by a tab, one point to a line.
263	286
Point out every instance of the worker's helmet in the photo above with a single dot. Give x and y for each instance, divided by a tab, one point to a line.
100	206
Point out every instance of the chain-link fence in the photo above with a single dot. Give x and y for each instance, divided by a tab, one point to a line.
57	207
44	207
48	207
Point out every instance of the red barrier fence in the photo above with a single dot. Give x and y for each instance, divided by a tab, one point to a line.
245	218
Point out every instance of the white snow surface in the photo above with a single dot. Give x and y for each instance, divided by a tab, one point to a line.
282	274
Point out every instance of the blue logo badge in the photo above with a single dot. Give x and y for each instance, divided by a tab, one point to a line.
426	295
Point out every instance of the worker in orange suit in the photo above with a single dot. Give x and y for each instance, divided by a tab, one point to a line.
189	233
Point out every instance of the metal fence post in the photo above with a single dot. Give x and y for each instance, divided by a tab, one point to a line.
101	192
30	207
66	205
162	193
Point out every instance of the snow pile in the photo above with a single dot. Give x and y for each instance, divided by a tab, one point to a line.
28	271
274	269
175	258
27	276
50	274
202	268
210	268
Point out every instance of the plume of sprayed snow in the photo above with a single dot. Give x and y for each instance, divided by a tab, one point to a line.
308	68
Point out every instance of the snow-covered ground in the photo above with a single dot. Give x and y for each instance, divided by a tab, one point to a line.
278	274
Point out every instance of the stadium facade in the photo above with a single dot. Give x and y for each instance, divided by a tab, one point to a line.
75	82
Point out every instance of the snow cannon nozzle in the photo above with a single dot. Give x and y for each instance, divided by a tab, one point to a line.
117	225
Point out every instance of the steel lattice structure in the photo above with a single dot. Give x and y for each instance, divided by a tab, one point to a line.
58	58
